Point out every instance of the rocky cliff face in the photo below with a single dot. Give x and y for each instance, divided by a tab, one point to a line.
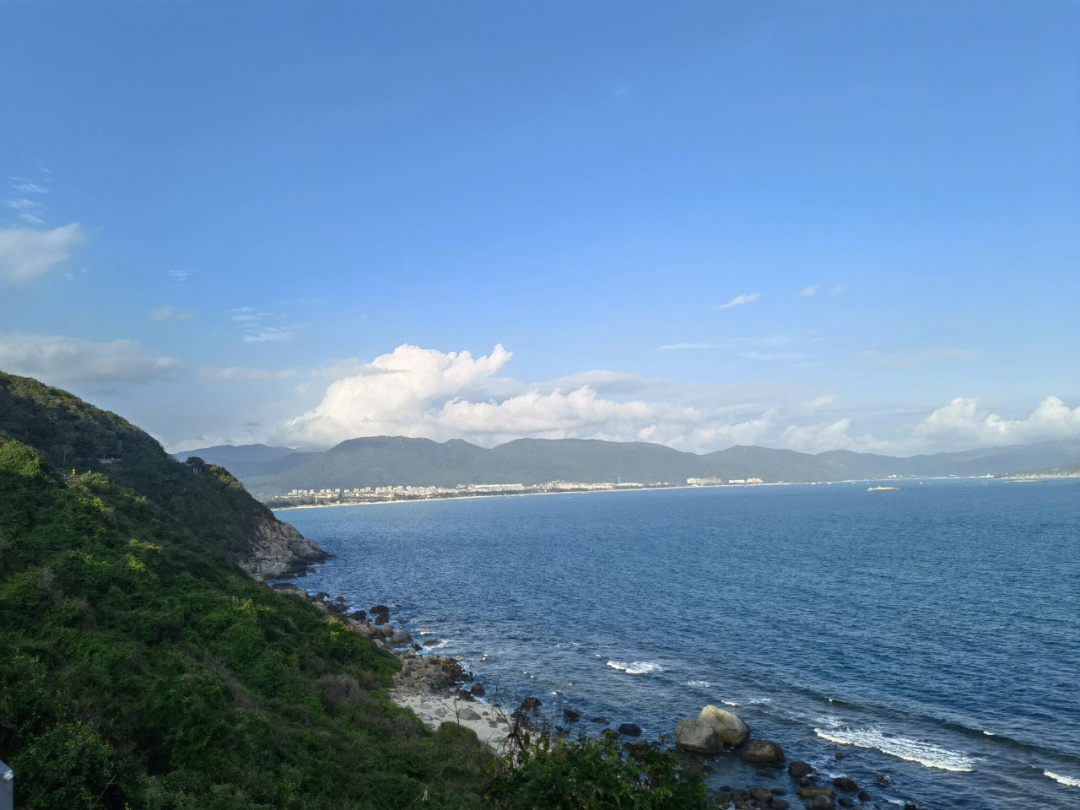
279	550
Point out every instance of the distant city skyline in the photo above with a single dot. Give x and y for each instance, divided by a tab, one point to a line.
841	226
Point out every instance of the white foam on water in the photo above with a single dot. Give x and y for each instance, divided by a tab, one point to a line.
635	667
698	684
924	753
1068	781
730	702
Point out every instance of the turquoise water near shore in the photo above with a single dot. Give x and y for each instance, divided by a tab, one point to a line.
933	632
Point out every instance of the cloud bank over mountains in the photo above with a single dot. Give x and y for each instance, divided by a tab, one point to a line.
427	393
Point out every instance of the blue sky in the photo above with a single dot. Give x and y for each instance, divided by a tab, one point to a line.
231	221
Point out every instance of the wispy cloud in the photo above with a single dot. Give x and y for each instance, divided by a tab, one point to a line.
162	314
179	276
808	292
26	253
913	359
26	202
246	315
58	359
269	334
739	300
774	355
256	330
677	347
241	373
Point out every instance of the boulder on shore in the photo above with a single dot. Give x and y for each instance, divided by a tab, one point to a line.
697	736
762	752
731	729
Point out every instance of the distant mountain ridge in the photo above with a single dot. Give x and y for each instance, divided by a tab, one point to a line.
401	461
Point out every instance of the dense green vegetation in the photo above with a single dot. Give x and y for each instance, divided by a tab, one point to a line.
142	668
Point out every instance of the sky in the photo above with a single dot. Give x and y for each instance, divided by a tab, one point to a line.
804	225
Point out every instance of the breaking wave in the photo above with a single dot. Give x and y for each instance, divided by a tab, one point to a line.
1068	781
924	753
635	667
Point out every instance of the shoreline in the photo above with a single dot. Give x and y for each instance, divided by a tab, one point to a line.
646	488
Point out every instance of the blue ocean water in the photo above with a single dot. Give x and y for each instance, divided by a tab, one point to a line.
933	632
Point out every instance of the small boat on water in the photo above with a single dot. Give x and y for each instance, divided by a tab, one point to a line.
883	489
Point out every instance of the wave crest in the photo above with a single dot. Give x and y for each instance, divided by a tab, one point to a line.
1068	781
635	667
924	753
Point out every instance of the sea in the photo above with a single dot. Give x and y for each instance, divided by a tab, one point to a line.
930	635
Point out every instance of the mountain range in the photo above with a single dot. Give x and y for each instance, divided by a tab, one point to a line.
401	461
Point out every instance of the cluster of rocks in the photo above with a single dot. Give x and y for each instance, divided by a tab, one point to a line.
418	673
716	730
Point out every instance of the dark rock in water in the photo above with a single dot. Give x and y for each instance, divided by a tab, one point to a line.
571	715
416	647
845	784
340	600
381	618
798	769
432	642
911	806
840	754
778	804
531	704
883	780
844	801
377	609
814	792
603	721
807	781
761	794
478	690
822	803
864	796
630	730
321	595
778	791
359	615
762	752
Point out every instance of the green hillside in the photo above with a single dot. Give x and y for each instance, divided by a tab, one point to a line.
142	667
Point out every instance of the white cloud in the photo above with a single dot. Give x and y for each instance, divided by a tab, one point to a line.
739	300
808	292
818	438
397	394
179	276
675	347
913	359
966	423
60	359
26	254
167	314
